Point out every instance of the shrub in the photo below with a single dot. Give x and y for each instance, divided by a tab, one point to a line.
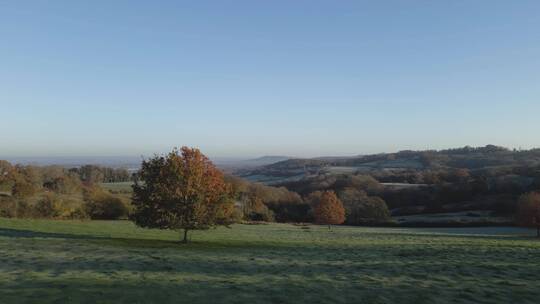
11	207
74	214
254	209
366	210
23	209
291	212
237	215
528	214
266	216
101	205
22	188
46	207
63	184
8	206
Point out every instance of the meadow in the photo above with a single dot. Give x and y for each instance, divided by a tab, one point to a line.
47	261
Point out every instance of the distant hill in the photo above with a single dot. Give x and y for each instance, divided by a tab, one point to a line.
134	162
266	160
472	158
128	162
232	165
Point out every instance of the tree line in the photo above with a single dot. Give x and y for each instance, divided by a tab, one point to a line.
184	191
58	192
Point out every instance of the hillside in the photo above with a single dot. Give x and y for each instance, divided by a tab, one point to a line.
482	158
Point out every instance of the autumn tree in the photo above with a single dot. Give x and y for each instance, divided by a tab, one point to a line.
329	209
25	181
181	191
528	212
6	170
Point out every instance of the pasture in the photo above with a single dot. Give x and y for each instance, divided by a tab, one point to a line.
118	187
45	261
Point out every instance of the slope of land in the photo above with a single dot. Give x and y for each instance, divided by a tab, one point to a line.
483	158
114	262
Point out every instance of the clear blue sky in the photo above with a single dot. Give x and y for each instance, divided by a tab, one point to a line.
248	78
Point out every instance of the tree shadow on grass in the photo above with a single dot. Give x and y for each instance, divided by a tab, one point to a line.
17	233
20	233
137	242
145	242
246	259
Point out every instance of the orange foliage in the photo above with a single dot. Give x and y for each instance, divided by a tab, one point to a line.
329	210
183	190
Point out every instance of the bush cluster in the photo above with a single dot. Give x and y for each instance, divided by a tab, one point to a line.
101	205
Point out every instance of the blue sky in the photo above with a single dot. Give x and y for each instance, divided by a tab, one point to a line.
250	78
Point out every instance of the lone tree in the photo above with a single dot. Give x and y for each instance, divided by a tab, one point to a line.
182	191
528	213
329	210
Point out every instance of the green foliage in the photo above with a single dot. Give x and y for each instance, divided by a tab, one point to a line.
368	210
24	210
6	169
8	206
23	187
101	205
46	207
363	209
54	192
64	184
254	209
92	174
334	182
118	187
265	203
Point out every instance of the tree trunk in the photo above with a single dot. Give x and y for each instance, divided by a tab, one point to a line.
538	231
185	240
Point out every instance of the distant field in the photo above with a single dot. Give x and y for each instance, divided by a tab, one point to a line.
118	187
270	180
478	217
112	262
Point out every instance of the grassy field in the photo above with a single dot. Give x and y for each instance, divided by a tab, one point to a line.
112	262
455	218
121	187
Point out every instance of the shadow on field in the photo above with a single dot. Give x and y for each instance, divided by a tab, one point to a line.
7	232
144	242
18	233
232	244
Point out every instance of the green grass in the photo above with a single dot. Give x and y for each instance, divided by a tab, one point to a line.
456	218
114	262
120	187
